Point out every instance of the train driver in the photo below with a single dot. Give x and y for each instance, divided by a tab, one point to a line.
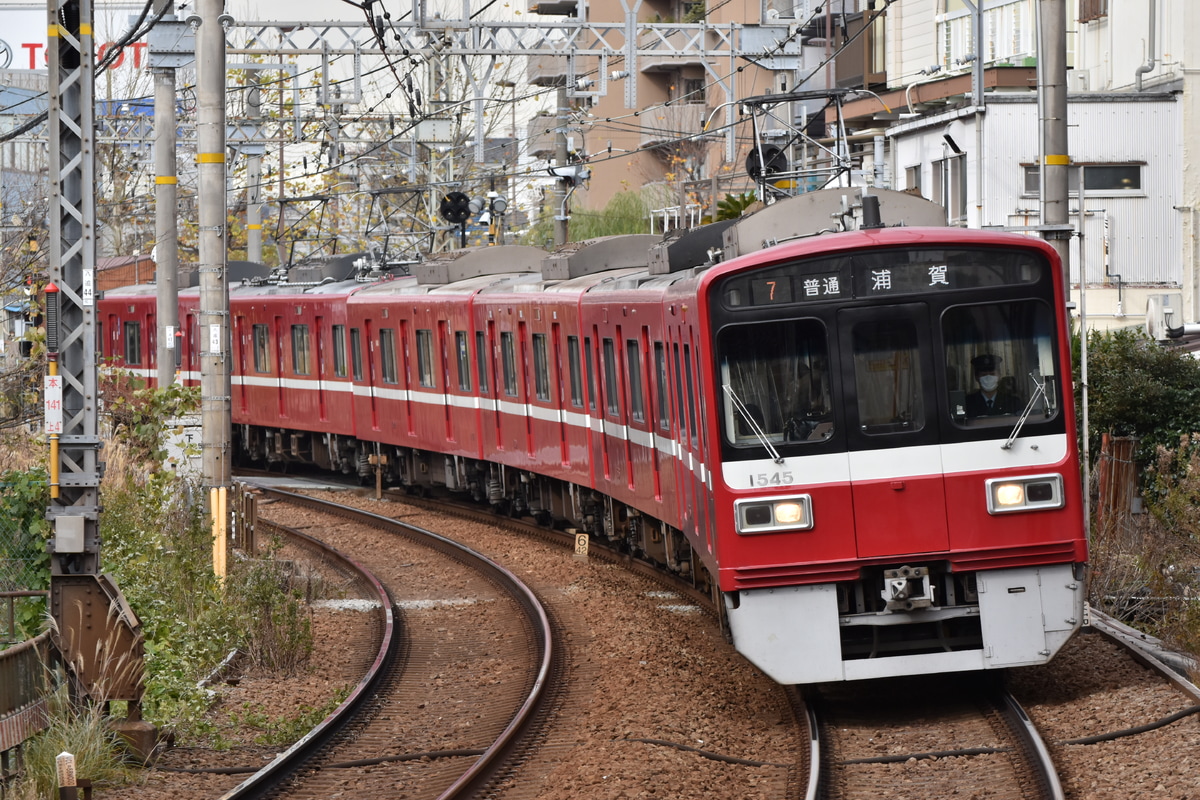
990	400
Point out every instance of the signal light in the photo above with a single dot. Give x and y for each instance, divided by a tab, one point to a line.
455	208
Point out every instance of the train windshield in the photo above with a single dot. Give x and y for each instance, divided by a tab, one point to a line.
999	362
778	382
812	356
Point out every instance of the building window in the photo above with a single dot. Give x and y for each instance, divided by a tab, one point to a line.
339	351
541	367
425	358
387	355
262	348
950	187
1101	179
463	356
301	350
912	179
1090	10
133	343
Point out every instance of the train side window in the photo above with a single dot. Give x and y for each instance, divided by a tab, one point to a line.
541	367
610	378
637	395
887	377
387	355
133	343
590	372
679	394
262	348
339	351
462	354
301	350
509	357
660	374
425	358
691	394
356	353
481	360
774	377
576	372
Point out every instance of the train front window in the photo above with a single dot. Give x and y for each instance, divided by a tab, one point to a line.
887	377
999	358
774	377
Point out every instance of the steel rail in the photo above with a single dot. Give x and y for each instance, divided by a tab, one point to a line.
288	761
1043	764
493	757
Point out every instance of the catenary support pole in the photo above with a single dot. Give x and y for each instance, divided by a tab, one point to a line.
1052	86
166	227
214	290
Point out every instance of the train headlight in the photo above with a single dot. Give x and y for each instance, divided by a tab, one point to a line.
773	514
1032	493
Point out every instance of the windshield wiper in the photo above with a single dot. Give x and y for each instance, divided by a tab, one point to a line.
754	427
1039	388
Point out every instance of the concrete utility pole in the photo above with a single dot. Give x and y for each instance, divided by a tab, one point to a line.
560	158
166	230
214	289
1052	88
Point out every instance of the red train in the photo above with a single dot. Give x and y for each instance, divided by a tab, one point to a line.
859	437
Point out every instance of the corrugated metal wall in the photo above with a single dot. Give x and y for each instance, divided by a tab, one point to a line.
1144	229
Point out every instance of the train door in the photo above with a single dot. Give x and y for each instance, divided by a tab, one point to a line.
443	333
683	456
240	338
372	373
498	377
888	387
698	476
560	398
526	368
279	362
599	452
319	334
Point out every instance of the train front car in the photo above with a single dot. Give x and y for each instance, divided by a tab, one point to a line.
898	490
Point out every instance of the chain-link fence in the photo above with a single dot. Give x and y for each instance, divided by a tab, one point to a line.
24	561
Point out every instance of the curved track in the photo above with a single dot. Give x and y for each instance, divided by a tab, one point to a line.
422	719
931	736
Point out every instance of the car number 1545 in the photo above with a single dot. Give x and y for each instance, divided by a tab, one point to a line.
771	479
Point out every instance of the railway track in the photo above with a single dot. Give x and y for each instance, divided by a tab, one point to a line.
973	736
460	672
934	737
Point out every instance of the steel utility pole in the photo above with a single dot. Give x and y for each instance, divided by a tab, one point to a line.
166	230
214	289
560	157
254	207
1052	90
96	631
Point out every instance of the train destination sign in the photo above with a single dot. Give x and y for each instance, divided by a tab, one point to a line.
879	275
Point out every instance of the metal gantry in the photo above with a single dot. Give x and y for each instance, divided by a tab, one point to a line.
96	631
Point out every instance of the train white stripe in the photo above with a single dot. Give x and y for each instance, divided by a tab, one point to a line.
814	470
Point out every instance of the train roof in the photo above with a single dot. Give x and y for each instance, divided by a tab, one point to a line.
136	290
